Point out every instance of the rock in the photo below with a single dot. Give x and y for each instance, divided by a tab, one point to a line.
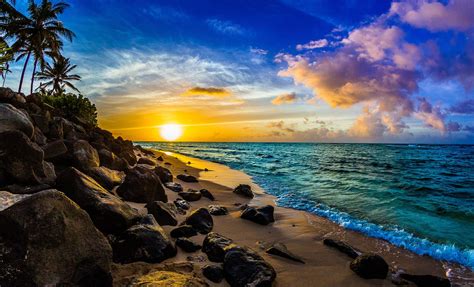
244	190
110	160
147	219
201	220
370	266
8	199
160	158
22	159
145	160
176	187
13	119
10	97
183	231
187	178
342	246
164	174
262	215
84	155
168	279
215	245
142	185
207	194
56	129
164	213
39	138
42	121
190	195
213	273
217	210
109	213
107	178
244	267
145	243
426	280
26	189
280	249
181	204
187	245
47	240
54	149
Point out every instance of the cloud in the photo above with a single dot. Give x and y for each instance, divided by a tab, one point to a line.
464	107
434	16
281	127
285	99
313	45
226	27
209	91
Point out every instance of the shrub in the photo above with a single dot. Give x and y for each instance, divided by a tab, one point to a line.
72	107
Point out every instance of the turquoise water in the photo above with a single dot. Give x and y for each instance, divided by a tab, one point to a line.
420	197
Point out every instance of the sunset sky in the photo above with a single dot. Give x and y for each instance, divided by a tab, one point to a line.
323	71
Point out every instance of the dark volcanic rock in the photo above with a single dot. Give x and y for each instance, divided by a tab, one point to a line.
13	119
201	220
39	137
244	190
187	178
54	149
215	245
47	240
280	249
22	159
262	215
145	243
426	280
109	213
107	178
164	213
145	160
342	246
187	245
10	97
176	187
165	175
142	185
213	273
84	155
56	129
217	210
181	204
183	231
147	219
370	266
207	194
112	161
190	195
243	267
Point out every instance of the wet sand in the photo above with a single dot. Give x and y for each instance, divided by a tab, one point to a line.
300	231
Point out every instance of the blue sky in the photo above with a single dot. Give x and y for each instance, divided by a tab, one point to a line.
332	71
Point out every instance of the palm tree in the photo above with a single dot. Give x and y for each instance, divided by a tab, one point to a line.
39	34
58	75
5	58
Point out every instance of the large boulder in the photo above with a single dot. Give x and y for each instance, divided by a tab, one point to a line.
262	215
370	266
190	195
10	97
22	159
201	220
112	161
109	213
164	174
164	213
244	190
107	178
147	243
213	273
142	185
47	240
183	231
54	149
243	267
215	246
13	119
84	155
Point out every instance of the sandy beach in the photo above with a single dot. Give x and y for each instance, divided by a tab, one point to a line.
301	232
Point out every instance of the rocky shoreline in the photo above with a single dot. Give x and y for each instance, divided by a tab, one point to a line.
80	207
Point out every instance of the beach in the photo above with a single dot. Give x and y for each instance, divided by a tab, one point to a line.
303	233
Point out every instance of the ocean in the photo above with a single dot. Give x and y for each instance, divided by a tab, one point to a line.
420	197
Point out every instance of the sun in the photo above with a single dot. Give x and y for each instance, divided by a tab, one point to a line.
171	132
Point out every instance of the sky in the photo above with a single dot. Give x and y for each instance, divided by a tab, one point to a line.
277	70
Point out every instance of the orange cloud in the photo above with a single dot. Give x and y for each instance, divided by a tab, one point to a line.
210	91
284	99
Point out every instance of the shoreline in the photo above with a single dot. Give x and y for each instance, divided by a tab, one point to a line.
301	231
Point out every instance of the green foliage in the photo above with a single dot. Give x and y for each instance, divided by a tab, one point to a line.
72	106
5	57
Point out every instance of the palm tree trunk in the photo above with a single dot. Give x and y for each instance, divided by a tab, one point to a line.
23	72
33	75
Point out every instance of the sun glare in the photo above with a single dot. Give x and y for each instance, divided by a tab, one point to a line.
171	132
